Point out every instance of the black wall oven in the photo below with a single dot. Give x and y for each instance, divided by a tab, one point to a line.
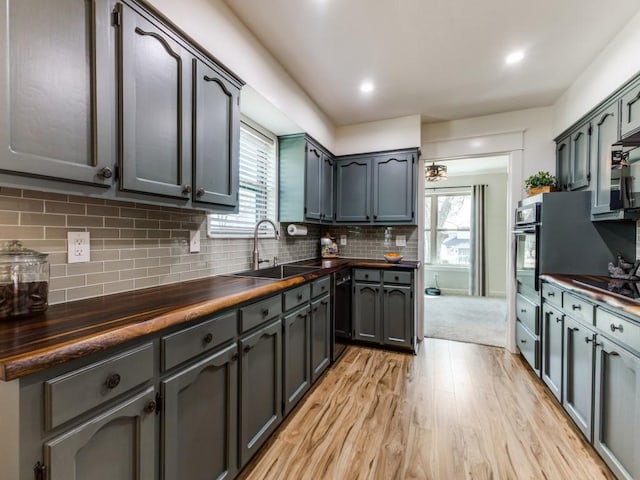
526	235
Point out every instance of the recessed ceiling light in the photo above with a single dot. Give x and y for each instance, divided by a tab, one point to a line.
366	87
514	57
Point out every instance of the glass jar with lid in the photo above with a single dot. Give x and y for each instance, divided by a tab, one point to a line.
24	281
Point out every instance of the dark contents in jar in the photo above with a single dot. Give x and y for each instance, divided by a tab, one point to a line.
23	298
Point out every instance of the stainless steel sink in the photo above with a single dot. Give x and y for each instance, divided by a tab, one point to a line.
279	272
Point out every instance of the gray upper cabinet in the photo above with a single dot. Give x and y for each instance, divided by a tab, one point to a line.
155	108
393	189
57	91
580	155
617	409
200	419
563	165
376	188
216	137
119	443
630	111
306	180
604	133
353	190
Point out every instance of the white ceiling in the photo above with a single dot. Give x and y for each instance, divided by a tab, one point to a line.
442	59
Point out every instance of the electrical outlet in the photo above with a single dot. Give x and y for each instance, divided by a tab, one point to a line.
343	240
78	249
401	241
194	241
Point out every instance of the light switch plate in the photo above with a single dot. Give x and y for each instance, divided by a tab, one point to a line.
78	249
343	240
401	241
194	241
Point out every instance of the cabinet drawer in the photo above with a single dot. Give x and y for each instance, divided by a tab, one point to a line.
396	277
76	392
552	294
619	329
321	286
185	344
528	313
366	275
528	346
577	308
259	312
296	297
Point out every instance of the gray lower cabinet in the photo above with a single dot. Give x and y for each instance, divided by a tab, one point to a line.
57	91
200	419
320	336
260	387
617	408
155	109
552	333
578	374
296	350
367	312
120	443
397	315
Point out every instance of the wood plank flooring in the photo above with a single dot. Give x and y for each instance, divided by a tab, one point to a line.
454	411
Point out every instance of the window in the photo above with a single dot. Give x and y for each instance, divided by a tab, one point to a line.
448	228
257	188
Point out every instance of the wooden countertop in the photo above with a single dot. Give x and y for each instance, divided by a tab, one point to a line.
573	283
72	330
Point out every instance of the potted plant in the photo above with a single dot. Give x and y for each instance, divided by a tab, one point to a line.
540	182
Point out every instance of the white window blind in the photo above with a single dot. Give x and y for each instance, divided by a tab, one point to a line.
257	192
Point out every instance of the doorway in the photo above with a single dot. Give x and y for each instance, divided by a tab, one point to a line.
465	236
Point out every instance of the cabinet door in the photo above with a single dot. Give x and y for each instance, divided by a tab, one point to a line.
353	197
216	137
563	165
327	188
552	331
578	374
312	188
260	388
155	118
604	134
57	90
630	114
200	419
397	316
580	157
617	409
117	444
393	196
320	336
296	356
366	313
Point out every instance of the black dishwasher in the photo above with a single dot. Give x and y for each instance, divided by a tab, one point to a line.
342	315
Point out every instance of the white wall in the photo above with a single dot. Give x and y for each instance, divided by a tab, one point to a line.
212	24
616	64
402	132
456	280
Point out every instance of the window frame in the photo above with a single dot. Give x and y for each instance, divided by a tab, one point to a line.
265	231
432	229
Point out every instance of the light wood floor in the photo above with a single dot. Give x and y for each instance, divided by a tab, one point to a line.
455	411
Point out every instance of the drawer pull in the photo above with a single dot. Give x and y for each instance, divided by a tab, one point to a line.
615	327
366	276
523	341
265	312
576	307
551	294
299	296
208	338
112	381
558	319
150	407
322	287
523	310
397	278
588	339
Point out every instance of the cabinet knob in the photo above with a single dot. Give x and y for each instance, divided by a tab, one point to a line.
588	339
375	217
299	296
576	307
234	357
523	310
105	172
617	327
523	341
150	407
247	348
558	319
112	381
397	278
265	312
200	192
368	217
366	276
208	338
186	189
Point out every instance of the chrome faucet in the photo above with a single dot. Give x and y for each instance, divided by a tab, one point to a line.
255	259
